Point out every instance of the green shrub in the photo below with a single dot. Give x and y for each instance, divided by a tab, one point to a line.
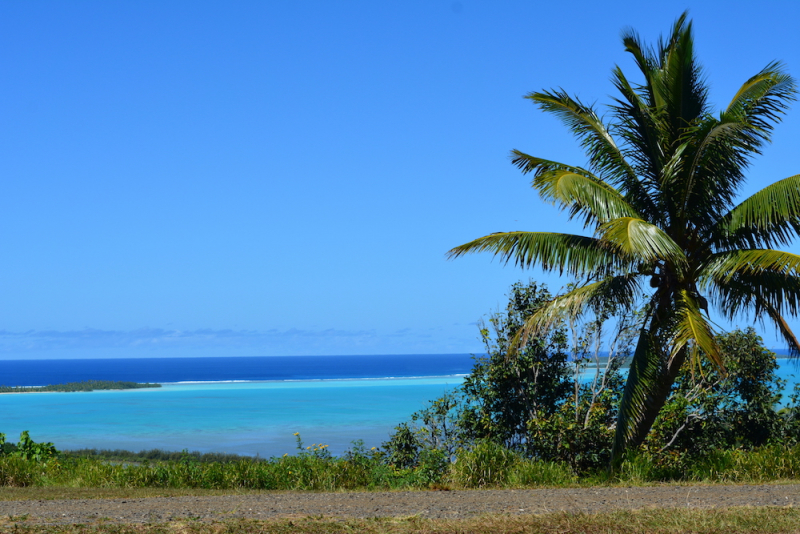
527	473
27	448
486	464
18	472
768	463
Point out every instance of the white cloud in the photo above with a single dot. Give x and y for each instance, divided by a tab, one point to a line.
92	342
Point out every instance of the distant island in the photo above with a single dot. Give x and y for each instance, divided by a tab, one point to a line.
87	385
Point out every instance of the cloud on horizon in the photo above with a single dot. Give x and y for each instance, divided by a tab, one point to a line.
222	341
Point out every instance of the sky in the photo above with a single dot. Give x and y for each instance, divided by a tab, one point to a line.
194	178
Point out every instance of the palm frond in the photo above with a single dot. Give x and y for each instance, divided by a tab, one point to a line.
618	291
583	194
583	121
768	218
691	328
769	294
641	241
784	330
538	166
763	99
724	266
631	191
638	127
673	167
596	199
725	146
565	253
679	80
645	59
743	293
714	172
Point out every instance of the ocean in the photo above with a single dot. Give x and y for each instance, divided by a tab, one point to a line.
249	406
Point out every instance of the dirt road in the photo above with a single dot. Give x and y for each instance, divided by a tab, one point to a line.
430	504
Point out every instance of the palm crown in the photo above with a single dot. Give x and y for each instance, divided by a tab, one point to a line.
659	193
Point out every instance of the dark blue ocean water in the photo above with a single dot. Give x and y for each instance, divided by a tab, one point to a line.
172	370
240	405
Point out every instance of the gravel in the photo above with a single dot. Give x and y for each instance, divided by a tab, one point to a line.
429	504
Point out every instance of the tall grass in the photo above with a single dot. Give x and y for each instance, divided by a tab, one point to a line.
153	455
486	465
772	462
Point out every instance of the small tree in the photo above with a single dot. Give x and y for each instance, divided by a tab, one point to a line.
538	400
506	390
710	410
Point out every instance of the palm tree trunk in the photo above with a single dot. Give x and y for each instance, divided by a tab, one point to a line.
649	383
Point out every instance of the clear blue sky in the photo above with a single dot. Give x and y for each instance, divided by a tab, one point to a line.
284	178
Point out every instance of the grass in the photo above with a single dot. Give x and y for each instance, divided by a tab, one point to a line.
154	455
485	466
653	521
314	469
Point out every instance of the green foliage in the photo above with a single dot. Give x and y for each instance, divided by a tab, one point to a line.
152	455
535	400
18	472
790	415
507	389
502	394
439	426
403	448
711	410
584	445
762	464
658	196
575	402
528	473
486	464
27	449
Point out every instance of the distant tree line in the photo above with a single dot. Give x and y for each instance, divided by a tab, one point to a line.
86	385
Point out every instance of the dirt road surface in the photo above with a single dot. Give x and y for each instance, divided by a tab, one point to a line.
428	504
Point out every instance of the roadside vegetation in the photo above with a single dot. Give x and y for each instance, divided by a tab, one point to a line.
154	455
539	409
486	466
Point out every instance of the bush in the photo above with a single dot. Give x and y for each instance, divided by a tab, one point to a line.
27	449
508	388
533	400
486	464
527	473
709	410
18	472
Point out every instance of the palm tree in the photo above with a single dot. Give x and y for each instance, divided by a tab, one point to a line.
659	195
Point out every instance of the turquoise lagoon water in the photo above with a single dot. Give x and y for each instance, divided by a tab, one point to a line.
242	417
236	417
